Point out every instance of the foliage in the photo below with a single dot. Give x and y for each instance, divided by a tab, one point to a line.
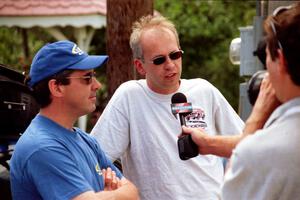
12	47
98	47
206	29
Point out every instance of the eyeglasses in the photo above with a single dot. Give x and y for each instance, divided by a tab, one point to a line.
277	11
173	56
88	78
280	9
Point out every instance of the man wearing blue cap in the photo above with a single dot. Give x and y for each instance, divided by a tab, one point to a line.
52	159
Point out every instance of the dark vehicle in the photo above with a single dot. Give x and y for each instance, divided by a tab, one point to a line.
17	108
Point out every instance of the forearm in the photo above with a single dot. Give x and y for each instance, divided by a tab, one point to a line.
252	125
126	192
219	145
223	145
123	193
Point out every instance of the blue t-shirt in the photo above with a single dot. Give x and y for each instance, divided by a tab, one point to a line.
51	162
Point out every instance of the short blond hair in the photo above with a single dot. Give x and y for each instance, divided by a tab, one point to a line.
144	23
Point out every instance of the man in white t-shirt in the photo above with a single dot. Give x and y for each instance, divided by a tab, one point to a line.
138	125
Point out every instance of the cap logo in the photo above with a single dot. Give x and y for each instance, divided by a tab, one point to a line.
77	50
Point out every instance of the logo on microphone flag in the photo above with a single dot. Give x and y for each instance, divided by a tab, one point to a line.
181	108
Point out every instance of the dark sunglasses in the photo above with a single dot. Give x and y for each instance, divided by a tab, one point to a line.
277	11
88	78
173	56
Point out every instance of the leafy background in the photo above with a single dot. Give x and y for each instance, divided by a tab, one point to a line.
205	28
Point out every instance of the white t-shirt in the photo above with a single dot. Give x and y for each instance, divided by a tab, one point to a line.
138	126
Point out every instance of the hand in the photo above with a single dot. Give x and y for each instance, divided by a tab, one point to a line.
265	104
198	136
111	181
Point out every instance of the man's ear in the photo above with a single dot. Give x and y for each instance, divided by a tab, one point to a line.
55	89
282	61
139	67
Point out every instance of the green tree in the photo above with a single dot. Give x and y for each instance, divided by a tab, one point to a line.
206	29
11	46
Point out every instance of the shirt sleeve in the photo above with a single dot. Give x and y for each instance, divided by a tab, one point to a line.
106	162
238	179
227	120
55	174
112	129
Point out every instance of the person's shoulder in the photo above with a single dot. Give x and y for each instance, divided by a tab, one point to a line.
257	140
85	135
131	86
197	84
34	140
34	135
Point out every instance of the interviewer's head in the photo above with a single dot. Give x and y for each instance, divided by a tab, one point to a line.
282	30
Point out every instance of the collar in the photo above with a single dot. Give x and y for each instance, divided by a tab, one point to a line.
289	108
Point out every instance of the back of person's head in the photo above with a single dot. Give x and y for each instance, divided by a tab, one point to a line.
57	61
283	32
145	23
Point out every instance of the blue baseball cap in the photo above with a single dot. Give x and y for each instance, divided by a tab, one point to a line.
58	56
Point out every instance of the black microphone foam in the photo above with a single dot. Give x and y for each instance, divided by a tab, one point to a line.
178	98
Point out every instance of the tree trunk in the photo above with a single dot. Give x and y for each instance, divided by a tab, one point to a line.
120	16
26	60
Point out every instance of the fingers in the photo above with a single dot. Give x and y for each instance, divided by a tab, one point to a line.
266	87
198	134
267	96
119	182
265	104
114	181
111	181
266	81
108	179
104	179
186	130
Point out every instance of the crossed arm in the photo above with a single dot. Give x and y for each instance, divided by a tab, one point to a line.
115	189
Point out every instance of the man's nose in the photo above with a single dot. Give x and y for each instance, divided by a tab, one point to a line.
96	84
169	63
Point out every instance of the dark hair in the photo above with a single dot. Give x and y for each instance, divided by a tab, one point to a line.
287	27
41	90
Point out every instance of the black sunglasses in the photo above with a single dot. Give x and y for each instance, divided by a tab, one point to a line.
88	78
173	56
277	11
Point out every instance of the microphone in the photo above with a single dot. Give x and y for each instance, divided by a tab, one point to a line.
181	107
186	146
